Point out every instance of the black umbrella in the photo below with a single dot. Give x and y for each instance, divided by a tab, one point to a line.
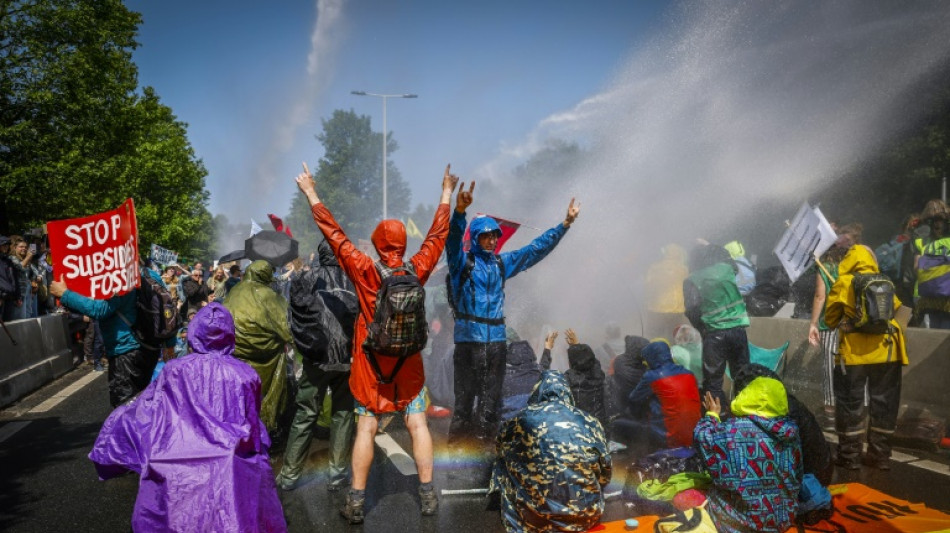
275	247
236	255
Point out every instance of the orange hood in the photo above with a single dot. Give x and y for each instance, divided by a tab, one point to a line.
389	239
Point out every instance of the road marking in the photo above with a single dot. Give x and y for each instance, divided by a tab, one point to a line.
933	466
11	429
396	454
902	457
55	399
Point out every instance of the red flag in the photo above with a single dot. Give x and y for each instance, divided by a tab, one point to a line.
279	224
508	228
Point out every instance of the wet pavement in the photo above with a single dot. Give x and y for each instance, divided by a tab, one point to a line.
48	484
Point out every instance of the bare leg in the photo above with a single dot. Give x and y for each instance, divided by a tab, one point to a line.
421	446
363	451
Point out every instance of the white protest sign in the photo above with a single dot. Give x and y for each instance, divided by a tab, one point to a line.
807	235
163	256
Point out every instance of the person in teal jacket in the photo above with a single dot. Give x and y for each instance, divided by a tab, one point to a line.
130	364
476	286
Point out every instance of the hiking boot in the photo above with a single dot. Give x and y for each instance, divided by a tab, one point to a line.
429	501
880	463
848	464
352	508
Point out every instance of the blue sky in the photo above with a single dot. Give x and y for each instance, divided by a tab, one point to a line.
253	80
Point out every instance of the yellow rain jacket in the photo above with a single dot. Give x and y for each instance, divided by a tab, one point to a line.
861	348
664	283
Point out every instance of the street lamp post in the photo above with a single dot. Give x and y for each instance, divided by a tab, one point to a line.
385	135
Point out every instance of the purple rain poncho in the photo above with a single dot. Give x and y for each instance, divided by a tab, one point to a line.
196	440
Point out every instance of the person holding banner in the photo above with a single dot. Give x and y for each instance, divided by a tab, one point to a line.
477	288
130	364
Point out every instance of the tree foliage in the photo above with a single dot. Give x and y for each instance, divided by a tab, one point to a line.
77	136
349	181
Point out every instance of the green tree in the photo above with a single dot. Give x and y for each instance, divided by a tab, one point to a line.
76	135
349	180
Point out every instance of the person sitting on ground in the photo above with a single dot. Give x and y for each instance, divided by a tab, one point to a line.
522	373
585	378
666	400
754	458
260	318
379	386
816	452
196	441
627	369
687	349
552	463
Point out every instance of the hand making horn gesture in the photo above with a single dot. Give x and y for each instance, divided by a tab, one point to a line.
449	181
464	198
572	211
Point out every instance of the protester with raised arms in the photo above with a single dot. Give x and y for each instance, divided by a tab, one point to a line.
385	384
477	282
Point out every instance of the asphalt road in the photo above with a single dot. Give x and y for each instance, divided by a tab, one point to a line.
48	483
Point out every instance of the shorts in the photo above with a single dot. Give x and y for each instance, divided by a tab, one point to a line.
419	404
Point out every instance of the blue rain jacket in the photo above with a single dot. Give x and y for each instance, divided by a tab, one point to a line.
116	334
483	294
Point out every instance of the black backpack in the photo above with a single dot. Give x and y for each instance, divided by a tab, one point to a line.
873	303
399	327
157	318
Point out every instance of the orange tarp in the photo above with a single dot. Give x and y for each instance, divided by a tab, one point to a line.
858	509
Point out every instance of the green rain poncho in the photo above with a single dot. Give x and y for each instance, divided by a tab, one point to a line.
260	322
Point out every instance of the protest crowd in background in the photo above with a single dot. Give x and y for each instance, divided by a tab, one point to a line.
297	324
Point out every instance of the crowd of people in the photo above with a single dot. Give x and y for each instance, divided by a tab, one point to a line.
347	325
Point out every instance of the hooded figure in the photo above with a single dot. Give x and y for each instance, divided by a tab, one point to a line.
323	310
522	373
669	397
260	319
628	368
864	359
586	380
754	459
552	463
195	439
476	283
664	282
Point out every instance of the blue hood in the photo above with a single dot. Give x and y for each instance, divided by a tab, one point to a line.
482	224
657	354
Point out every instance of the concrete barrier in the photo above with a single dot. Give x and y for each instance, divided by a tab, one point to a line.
925	380
41	355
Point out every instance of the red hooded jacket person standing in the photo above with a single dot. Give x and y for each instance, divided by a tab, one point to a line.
406	392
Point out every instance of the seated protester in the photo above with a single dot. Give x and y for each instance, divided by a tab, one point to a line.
667	399
195	439
585	378
552	463
687	349
522	373
754	459
628	368
816	453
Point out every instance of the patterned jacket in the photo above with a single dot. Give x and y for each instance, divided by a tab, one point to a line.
552	463
755	461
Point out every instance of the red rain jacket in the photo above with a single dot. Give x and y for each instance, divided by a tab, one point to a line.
389	238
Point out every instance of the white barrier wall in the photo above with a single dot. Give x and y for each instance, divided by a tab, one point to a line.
42	354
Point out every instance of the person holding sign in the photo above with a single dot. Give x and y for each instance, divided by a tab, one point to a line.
130	364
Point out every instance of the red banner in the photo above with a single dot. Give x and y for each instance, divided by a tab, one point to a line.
98	254
508	228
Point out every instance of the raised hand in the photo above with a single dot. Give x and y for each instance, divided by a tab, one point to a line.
711	403
572	211
549	340
464	198
570	336
449	181
307	185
